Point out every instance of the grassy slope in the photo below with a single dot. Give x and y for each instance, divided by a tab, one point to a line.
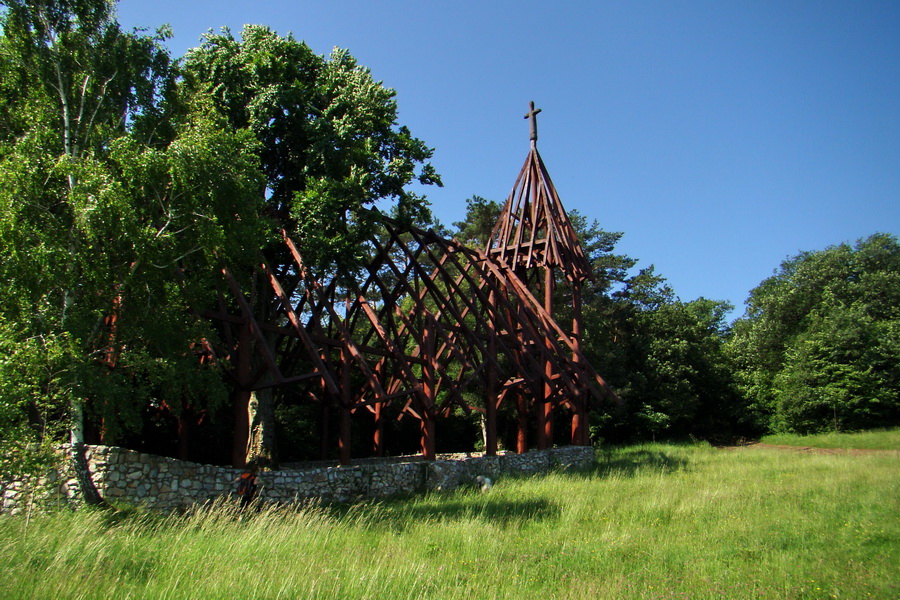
652	521
864	440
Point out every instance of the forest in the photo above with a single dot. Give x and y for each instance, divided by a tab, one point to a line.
127	178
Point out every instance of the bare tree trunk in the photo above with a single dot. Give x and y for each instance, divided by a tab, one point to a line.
83	475
262	448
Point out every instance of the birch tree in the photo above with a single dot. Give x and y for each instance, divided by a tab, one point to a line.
118	197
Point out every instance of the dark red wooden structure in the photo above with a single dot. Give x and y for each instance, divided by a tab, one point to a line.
429	321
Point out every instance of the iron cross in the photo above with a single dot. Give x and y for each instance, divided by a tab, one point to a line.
532	115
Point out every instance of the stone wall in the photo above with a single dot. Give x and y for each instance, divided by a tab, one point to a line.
168	484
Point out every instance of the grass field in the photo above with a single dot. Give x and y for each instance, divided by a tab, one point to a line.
864	440
650	521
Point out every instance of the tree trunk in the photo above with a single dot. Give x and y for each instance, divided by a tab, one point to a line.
262	448
86	485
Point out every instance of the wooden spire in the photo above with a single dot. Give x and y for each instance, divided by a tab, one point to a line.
533	229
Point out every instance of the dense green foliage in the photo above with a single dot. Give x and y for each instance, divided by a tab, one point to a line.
329	145
819	347
126	180
664	356
650	521
112	181
481	216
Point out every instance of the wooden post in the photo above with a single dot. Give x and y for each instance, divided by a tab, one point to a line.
541	421
324	416
521	422
429	389
378	414
428	433
325	398
378	436
241	435
520	394
490	402
345	402
545	407
581	435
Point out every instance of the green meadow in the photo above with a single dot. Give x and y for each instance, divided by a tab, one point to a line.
648	521
862	440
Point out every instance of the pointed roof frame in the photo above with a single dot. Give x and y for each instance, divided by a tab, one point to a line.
533	229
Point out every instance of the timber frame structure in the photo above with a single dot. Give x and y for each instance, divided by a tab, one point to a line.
429	324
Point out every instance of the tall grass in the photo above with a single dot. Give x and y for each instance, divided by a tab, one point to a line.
862	440
651	521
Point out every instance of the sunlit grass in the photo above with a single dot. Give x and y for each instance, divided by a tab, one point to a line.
863	440
650	521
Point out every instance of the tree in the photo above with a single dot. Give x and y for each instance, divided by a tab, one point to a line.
329	148
114	188
841	373
665	357
686	375
481	216
817	347
666	360
128	181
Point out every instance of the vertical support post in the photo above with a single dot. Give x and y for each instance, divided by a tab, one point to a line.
522	400
541	422
490	402
377	411
545	407
428	433
581	435
578	425
378	436
521	422
324	416
345	403
324	443
241	436
429	389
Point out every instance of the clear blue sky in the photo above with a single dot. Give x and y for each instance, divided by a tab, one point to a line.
720	137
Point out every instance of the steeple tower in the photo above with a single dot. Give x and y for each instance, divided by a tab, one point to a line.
533	230
534	237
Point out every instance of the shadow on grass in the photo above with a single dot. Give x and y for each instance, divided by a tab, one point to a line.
630	462
496	511
120	513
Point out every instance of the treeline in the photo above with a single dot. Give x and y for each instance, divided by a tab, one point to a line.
127	179
819	345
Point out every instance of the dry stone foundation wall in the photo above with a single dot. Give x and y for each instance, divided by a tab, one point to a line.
170	484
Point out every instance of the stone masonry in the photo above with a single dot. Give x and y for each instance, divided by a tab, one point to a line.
169	484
